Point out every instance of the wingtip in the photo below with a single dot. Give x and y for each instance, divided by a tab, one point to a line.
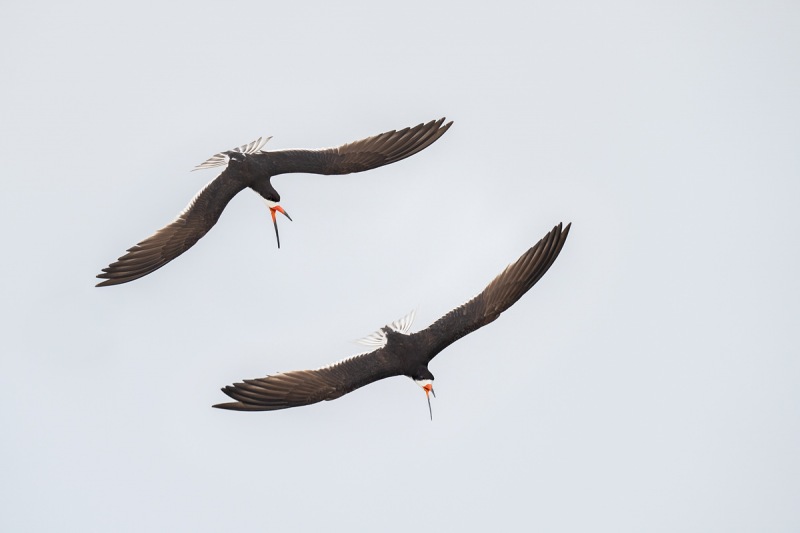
437	124
440	124
105	282
559	235
241	406
111	278
229	406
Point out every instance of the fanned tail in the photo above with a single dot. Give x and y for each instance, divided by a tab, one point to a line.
401	325
217	160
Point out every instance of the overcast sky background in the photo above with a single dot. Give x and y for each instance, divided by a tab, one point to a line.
649	382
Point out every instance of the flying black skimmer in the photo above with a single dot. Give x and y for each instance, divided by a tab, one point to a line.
249	166
398	352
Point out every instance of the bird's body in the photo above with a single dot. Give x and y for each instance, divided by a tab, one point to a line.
400	353
249	167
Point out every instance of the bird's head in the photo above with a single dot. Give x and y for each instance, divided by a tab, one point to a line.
273	208
425	380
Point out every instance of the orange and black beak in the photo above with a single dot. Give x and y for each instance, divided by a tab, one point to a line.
272	210
428	391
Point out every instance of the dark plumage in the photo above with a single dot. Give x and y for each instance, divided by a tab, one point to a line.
247	166
400	353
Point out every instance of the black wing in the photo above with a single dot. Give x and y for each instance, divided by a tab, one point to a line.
357	156
498	296
304	387
171	241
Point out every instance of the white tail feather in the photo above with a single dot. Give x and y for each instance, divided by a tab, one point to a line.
217	160
401	325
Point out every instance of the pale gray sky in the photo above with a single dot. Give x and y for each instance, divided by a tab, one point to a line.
649	382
